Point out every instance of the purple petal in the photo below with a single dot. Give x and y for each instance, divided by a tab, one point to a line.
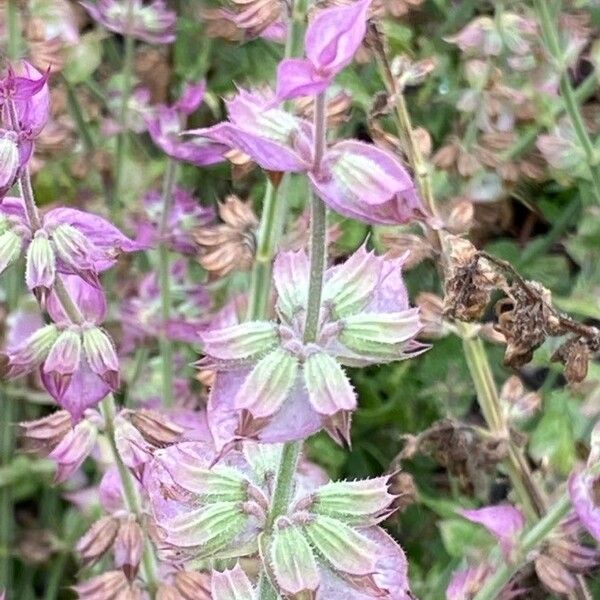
89	298
335	34
504	522
290	274
191	97
298	77
363	182
582	491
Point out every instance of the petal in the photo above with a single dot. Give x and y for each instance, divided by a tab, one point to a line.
90	300
271	155
581	490
335	34
268	385
329	389
363	182
191	97
298	77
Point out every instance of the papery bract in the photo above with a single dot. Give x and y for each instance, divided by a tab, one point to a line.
74	449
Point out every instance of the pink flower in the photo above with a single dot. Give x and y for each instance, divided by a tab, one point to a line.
152	23
331	40
272	386
357	180
165	127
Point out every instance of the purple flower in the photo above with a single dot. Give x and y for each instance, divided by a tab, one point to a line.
504	522
331	40
77	363
186	215
152	23
138	112
355	179
69	241
75	447
165	127
273	386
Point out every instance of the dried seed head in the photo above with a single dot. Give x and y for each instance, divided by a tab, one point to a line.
460	217
432	314
43	435
191	585
575	355
231	245
399	244
470	281
155	428
525	319
554	575
402	485
98	540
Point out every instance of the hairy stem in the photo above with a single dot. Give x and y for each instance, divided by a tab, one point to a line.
553	45
530	540
165	345
149	564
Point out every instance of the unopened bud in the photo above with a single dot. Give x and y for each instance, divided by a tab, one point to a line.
43	435
72	247
343	547
354	502
63	360
155	428
97	540
33	352
129	545
292	559
10	249
101	356
40	270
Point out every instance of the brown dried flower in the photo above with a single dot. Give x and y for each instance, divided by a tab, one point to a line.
155	428
432	314
98	540
470	280
402	485
43	435
575	354
192	585
230	245
418	248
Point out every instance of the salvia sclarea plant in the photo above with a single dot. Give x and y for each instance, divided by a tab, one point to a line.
219	501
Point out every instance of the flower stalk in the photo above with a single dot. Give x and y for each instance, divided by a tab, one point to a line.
165	345
552	42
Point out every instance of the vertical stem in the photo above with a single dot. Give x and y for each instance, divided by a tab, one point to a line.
552	41
14	29
318	232
122	139
260	284
165	345
132	499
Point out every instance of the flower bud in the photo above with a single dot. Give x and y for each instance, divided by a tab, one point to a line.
292	559
129	545
97	540
354	502
240	341
268	385
155	428
213	527
43	435
344	548
40	270
63	360
9	161
329	390
112	584
10	249
33	351
554	575
192	585
231	585
73	247
73	449
101	356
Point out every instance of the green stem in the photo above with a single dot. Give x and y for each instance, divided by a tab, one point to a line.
77	112
6	501
165	345
552	41
260	284
529	541
123	137
132	499
14	30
